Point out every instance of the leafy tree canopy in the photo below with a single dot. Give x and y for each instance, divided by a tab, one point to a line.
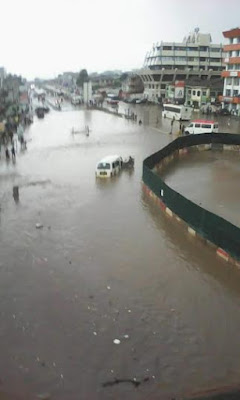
82	77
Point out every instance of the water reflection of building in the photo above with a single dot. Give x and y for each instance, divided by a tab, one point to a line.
231	92
167	62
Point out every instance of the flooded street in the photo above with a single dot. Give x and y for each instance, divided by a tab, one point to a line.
107	265
217	174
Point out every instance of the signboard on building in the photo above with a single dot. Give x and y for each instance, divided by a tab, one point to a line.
179	89
233	73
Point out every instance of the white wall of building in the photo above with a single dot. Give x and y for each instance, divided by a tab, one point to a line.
87	92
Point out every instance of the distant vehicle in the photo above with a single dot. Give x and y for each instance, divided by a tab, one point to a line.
141	101
76	100
109	166
112	102
224	111
176	112
128	163
201	126
40	112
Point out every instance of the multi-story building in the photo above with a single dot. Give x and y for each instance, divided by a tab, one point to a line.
167	62
200	94
231	91
132	84
3	75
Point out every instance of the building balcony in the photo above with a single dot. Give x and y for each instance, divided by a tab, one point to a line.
231	47
229	99
232	60
226	74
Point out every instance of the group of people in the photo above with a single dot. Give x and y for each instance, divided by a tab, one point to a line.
7	153
181	127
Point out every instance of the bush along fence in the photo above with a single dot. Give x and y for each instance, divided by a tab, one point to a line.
224	236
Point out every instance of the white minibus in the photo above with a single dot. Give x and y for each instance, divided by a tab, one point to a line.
201	126
109	166
176	112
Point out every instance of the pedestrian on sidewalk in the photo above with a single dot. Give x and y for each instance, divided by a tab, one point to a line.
13	152
7	154
171	126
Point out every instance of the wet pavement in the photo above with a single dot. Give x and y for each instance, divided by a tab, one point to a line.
106	265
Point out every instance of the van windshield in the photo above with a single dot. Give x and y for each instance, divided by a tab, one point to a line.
103	166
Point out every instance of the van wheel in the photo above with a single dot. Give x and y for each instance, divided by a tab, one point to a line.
186	133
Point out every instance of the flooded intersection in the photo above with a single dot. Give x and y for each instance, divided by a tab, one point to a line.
105	265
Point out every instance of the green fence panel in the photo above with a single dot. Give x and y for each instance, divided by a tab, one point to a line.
211	226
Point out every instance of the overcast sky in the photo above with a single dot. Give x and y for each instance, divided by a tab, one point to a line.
46	37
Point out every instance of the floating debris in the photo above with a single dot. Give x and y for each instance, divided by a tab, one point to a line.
117	341
134	382
126	336
95	333
129	311
44	396
108	287
39	225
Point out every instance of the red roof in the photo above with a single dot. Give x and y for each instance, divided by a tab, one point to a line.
204	121
232	33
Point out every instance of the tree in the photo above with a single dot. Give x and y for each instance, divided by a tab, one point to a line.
82	77
123	77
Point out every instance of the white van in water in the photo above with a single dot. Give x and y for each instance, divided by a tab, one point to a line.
201	126
109	166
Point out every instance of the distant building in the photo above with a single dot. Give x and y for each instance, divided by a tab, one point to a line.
167	62
105	80
3	75
132	84
67	79
200	93
231	91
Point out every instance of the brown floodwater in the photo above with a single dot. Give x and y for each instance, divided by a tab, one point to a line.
108	265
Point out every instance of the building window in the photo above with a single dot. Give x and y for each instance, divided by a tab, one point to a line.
167	47
215	49
198	93
228	92
204	93
203	48
231	40
194	92
235	93
189	91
